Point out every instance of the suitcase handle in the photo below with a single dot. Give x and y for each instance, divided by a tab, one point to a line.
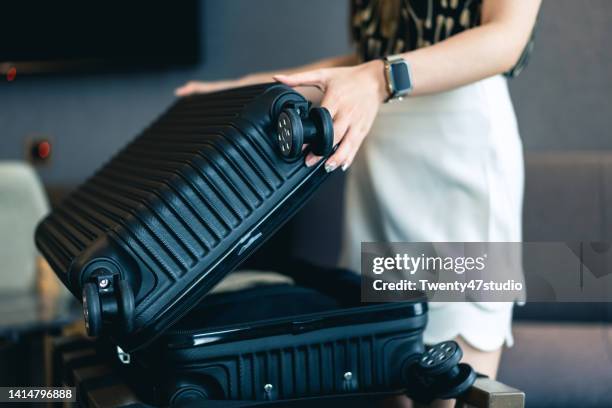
297	126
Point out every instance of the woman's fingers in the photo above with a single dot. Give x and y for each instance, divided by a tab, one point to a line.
193	87
344	148
312	78
352	109
189	88
312	159
330	102
341	125
344	155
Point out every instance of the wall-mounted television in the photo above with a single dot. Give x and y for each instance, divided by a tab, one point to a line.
57	36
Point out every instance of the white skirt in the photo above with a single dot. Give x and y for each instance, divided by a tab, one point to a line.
442	168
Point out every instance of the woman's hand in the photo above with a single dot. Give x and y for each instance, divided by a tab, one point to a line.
352	95
195	87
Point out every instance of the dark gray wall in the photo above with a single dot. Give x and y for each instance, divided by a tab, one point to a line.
562	100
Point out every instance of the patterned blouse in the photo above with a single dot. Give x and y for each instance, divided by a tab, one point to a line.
386	27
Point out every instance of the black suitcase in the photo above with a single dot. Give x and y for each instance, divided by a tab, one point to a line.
156	228
182	205
243	345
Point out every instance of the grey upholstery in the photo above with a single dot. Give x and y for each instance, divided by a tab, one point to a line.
568	197
561	365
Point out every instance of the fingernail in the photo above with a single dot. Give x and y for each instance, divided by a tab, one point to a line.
311	161
330	166
345	166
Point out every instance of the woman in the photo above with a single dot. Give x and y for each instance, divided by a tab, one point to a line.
449	153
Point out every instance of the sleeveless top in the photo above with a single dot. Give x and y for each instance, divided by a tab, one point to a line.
386	27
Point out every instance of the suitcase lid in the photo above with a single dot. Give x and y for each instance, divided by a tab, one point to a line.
150	233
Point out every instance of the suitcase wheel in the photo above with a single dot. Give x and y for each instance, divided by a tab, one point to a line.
92	311
441	359
438	373
192	389
107	299
188	394
459	383
295	130
125	305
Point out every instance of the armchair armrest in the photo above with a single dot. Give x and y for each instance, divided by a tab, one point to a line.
488	393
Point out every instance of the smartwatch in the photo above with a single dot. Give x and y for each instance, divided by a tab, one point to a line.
398	76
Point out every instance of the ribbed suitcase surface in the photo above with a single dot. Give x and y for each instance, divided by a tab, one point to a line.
334	361
348	364
179	207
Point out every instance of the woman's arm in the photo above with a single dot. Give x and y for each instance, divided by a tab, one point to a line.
261	77
492	48
354	94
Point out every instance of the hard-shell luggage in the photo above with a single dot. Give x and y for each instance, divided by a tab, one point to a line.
144	239
156	228
284	341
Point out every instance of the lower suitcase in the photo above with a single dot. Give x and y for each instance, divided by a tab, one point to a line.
311	337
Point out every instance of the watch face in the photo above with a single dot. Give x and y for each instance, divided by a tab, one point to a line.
400	76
